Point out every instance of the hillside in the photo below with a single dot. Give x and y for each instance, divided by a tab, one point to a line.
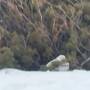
33	32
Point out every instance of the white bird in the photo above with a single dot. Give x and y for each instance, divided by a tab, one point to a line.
58	64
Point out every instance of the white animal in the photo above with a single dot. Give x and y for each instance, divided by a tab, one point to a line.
58	64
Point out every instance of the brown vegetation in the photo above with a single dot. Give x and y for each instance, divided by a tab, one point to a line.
36	31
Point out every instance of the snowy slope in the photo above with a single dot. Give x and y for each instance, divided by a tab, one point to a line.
12	79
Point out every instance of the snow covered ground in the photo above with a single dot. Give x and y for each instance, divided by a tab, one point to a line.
12	79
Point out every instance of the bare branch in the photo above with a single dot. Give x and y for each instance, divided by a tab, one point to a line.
84	62
79	51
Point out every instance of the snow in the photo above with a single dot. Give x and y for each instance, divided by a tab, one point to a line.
12	79
63	67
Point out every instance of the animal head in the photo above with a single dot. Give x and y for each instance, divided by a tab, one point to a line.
61	58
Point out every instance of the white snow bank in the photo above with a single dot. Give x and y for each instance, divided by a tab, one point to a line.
12	79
